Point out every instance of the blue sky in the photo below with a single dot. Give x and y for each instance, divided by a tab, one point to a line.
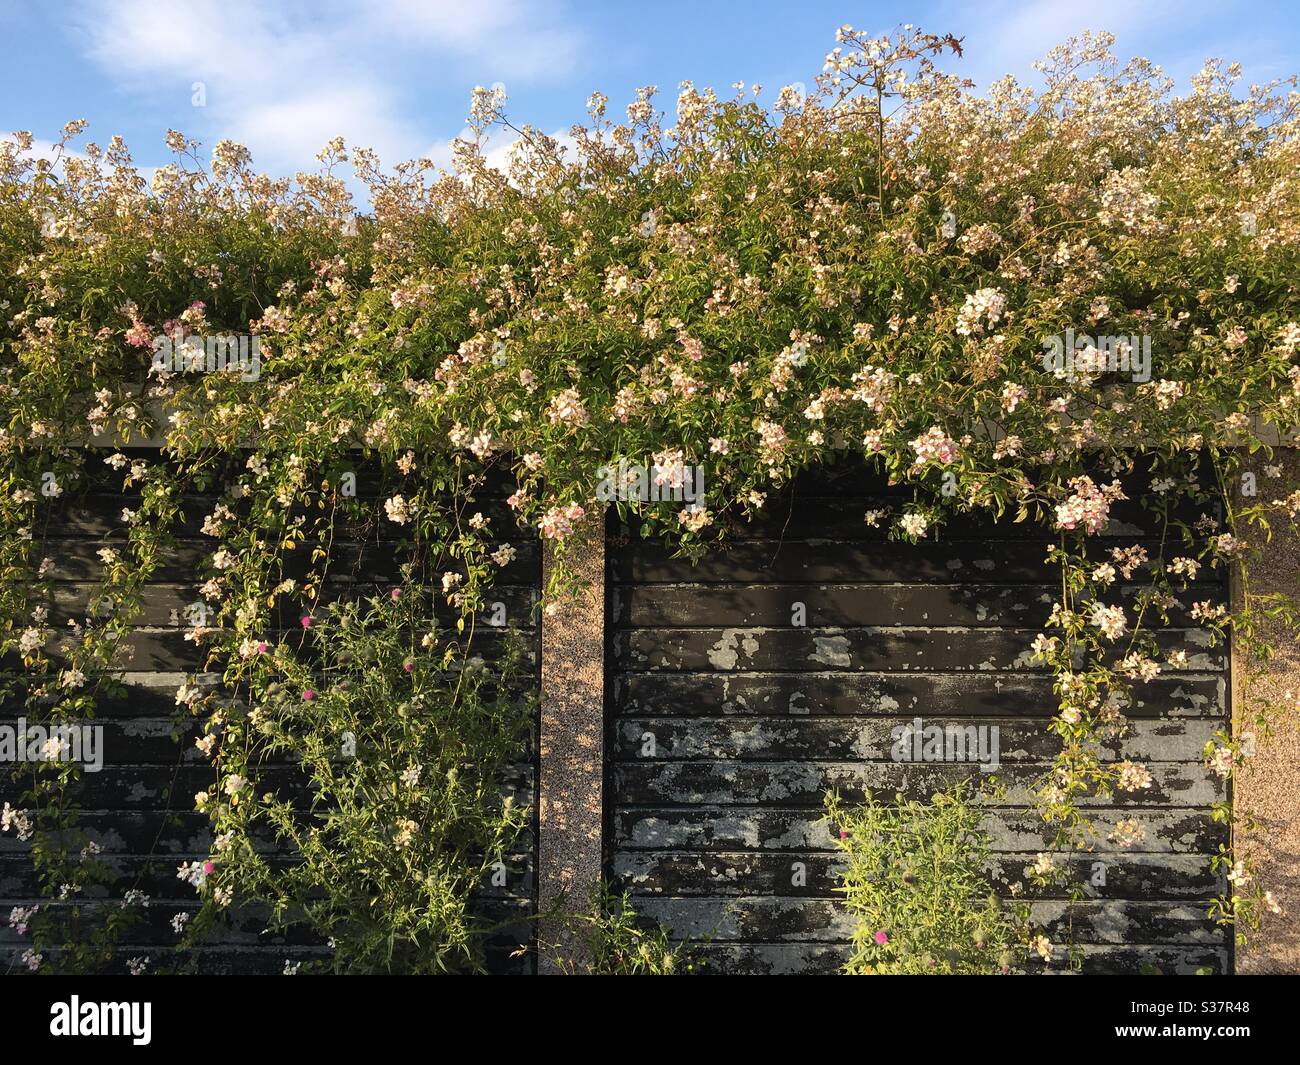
283	77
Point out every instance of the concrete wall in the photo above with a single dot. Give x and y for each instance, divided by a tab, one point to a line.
1269	788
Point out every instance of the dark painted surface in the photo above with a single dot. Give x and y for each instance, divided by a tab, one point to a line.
728	723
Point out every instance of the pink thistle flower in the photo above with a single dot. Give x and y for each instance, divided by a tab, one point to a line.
306	621
209	868
308	695
139	335
881	938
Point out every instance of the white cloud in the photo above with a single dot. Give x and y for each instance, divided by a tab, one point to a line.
1008	38
516	39
284	79
498	149
43	149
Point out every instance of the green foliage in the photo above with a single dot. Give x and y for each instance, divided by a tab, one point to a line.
612	940
399	810
914	881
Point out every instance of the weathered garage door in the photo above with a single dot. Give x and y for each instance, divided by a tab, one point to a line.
139	809
728	723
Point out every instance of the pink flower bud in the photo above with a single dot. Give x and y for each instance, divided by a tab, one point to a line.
308	695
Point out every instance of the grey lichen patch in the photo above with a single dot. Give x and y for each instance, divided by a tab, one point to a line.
1049	912
1122	528
831	651
739	830
147	728
141	791
864	744
798	779
1024	660
725	654
651	832
1190	700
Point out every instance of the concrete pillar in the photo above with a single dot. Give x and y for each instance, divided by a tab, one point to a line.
1269	787
571	775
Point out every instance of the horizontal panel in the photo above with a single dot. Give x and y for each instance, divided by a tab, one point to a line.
180	833
174	604
874	739
216	959
817	874
835	605
795	783
163	742
145	740
190	561
96	476
774	920
805	512
241	925
719	827
98	514
156	876
810	959
167	650
874	649
836	692
145	694
979	561
134	787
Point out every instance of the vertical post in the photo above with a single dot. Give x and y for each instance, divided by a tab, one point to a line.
571	773
1269	786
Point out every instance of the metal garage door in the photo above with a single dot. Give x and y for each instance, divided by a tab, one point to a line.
728	721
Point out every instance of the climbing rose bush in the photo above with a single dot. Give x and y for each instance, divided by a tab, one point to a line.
886	266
